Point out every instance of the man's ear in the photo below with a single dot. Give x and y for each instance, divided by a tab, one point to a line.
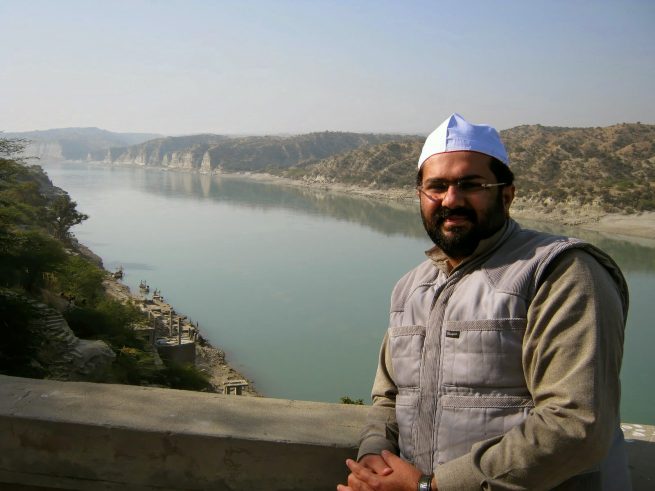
508	197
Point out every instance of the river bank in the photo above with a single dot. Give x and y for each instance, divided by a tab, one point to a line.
209	359
587	217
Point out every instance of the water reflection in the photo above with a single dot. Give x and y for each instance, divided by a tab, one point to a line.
388	218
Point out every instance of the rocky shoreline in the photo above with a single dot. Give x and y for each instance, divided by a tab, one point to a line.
209	359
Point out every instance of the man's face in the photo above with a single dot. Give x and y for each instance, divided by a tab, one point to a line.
458	220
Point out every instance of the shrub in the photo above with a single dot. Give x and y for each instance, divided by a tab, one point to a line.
184	376
109	320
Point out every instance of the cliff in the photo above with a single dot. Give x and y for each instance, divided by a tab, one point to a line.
209	153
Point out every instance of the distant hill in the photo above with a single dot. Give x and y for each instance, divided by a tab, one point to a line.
253	153
75	143
611	167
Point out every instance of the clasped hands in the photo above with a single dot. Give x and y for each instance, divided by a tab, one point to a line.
385	472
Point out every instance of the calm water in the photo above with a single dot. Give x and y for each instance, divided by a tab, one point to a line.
294	283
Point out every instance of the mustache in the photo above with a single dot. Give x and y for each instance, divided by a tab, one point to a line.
442	213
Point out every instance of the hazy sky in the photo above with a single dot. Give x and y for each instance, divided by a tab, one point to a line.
179	67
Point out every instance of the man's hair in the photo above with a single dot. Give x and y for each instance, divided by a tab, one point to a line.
502	172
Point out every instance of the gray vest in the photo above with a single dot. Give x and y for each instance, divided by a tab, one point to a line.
456	347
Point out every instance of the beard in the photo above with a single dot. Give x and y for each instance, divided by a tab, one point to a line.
459	242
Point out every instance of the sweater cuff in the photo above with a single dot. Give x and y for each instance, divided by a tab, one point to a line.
458	475
375	445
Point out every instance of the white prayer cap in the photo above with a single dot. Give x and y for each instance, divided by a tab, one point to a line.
456	134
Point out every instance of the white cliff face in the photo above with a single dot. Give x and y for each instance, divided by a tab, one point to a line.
185	160
206	163
44	150
154	157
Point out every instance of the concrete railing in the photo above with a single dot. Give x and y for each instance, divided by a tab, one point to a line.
72	435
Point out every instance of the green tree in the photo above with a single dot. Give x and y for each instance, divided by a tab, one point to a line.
64	215
81	279
28	256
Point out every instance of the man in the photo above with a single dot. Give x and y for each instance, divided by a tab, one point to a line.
500	367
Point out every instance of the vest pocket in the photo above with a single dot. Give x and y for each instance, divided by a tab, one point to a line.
406	345
483	352
406	412
470	418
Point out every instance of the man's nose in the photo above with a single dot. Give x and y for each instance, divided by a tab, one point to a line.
453	197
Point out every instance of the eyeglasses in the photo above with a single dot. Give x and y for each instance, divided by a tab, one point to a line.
435	191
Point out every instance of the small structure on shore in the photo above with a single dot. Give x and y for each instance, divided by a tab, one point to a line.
118	274
235	387
175	336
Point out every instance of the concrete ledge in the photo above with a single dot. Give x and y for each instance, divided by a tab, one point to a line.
83	436
76	435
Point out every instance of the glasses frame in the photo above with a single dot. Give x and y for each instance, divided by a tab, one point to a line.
458	184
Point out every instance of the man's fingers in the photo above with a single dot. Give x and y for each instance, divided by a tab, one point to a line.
361	477
376	463
391	460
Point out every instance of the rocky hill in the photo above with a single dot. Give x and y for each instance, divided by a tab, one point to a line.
612	168
74	143
253	153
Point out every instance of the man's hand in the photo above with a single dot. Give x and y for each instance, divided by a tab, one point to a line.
403	476
376	464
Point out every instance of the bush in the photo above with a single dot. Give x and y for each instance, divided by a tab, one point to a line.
187	377
348	400
109	320
135	367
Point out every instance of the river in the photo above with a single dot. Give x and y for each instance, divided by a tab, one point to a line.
294	283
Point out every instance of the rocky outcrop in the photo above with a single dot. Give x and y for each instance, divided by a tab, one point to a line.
63	355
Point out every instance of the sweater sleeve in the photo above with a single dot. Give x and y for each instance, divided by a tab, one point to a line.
572	353
381	430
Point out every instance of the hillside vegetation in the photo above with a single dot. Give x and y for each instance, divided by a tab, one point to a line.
56	320
612	168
